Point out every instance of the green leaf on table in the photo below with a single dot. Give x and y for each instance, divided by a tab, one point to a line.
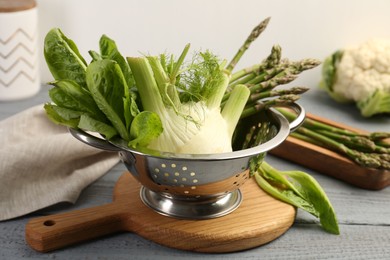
299	189
313	193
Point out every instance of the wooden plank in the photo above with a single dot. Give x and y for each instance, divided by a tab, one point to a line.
331	163
302	241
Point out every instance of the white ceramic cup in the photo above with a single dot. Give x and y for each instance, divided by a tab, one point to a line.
19	68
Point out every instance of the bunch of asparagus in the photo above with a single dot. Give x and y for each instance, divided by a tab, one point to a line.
262	78
367	150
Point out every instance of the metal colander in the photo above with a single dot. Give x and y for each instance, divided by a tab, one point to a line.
200	186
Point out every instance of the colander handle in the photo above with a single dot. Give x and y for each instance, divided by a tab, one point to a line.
93	140
301	114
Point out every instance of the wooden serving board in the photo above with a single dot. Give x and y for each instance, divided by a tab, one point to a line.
259	220
331	163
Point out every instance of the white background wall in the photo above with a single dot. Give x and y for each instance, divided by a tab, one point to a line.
304	28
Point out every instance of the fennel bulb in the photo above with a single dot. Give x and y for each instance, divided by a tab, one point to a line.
207	133
189	102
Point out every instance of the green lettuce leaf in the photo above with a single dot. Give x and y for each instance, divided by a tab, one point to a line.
108	88
109	50
90	124
146	126
62	116
63	57
69	94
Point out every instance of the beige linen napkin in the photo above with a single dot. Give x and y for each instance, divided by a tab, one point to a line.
41	164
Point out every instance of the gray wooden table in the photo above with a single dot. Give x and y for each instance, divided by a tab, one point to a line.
364	216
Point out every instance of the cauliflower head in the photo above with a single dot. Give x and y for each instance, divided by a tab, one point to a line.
360	74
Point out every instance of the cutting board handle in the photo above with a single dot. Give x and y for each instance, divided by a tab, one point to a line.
57	231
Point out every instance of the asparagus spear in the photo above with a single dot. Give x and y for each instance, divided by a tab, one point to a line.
263	78
253	36
283	100
368	150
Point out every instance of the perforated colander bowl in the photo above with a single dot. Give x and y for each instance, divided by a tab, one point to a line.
199	186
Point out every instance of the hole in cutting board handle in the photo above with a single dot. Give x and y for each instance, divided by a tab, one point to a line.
49	223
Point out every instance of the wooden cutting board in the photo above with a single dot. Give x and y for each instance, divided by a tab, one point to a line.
259	220
331	163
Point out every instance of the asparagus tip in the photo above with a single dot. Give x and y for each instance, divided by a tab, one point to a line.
259	28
